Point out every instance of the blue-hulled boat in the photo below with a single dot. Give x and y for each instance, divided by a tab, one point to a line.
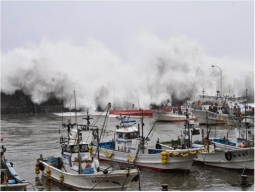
10	180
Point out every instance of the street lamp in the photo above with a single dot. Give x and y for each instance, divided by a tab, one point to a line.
221	75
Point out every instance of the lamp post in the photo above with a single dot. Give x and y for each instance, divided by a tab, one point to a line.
221	75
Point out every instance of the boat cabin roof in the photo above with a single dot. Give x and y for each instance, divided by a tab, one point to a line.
127	130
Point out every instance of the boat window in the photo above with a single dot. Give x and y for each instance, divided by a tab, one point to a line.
120	135
75	149
127	136
134	135
84	148
71	149
68	148
195	132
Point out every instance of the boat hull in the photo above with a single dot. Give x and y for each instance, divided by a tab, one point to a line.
151	161
14	187
231	159
112	181
210	118
171	117
131	113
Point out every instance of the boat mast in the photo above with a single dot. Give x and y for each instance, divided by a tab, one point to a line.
142	132
78	135
130	111
108	108
75	106
246	125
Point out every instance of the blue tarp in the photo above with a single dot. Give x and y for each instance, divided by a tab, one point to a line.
128	121
89	170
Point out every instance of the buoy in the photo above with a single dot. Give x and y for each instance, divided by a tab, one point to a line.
163	157
61	178
37	169
48	172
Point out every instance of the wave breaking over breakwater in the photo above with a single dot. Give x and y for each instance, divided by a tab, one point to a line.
151	71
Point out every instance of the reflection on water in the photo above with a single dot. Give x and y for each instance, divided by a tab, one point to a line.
27	136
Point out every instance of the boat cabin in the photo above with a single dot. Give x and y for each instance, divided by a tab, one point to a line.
127	136
189	131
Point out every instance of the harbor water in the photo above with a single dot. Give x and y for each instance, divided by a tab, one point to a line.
26	136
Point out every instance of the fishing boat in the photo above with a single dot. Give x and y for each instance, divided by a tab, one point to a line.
242	139
171	116
10	180
79	169
228	154
175	113
129	146
216	109
240	158
210	153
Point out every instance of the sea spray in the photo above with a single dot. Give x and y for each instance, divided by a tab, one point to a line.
151	71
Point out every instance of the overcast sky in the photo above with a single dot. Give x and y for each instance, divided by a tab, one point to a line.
221	28
164	43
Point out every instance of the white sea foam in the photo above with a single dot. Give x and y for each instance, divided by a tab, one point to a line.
150	71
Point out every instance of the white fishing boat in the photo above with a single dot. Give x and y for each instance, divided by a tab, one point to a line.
217	118
242	140
126	149
174	113
212	154
219	110
10	180
79	169
228	154
242	158
171	116
129	146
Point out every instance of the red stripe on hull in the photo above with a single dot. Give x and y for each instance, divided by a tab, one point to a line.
146	113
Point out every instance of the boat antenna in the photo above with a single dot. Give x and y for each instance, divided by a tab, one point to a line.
246	125
137	99
130	111
203	95
62	111
75	106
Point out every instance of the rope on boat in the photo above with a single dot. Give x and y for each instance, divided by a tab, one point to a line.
130	159
125	180
107	154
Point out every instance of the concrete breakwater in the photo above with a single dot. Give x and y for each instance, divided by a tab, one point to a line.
18	102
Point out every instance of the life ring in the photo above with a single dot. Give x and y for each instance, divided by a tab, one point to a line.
228	156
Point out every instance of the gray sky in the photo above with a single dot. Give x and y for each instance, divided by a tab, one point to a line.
221	28
153	49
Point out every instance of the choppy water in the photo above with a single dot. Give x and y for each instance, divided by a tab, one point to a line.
26	136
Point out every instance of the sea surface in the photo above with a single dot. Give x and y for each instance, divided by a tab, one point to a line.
26	136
